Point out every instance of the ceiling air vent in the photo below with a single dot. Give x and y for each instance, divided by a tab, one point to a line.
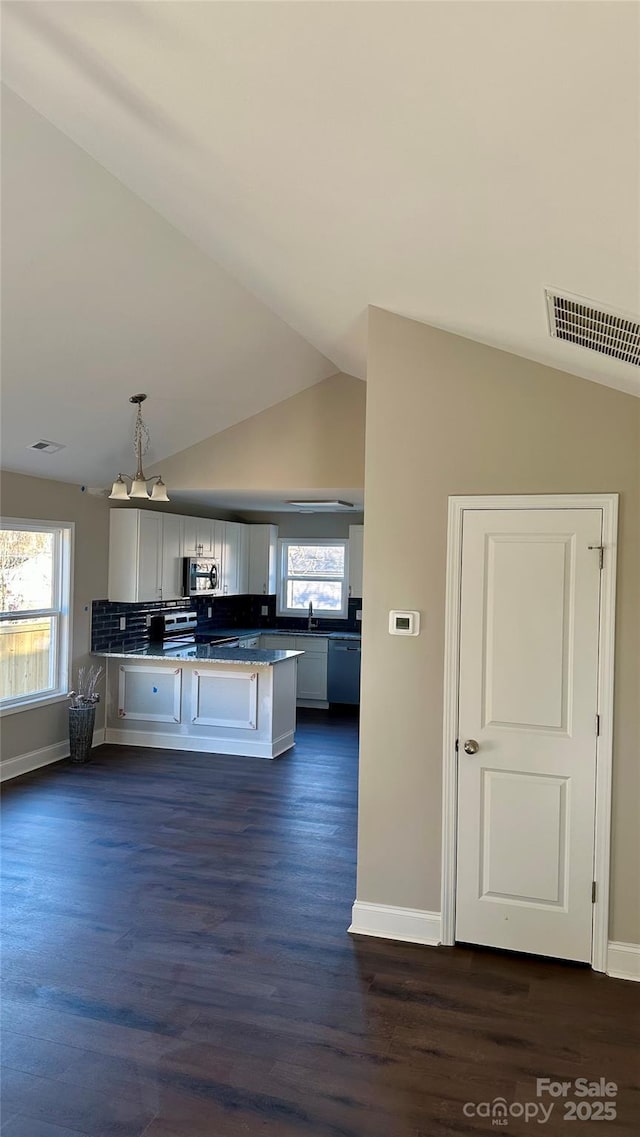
46	447
580	321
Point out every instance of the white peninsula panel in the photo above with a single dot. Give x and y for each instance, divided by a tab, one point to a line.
220	697
226	701
149	694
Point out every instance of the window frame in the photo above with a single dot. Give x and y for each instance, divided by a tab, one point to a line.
284	578
60	612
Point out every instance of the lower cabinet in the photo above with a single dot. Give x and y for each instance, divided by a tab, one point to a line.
312	676
312	666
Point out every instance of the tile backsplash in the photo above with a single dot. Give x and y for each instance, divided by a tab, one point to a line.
227	612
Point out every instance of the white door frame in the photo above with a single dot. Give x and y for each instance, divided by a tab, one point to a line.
604	746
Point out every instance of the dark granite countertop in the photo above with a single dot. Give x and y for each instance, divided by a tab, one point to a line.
206	653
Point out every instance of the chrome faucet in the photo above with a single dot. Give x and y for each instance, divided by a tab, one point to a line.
311	623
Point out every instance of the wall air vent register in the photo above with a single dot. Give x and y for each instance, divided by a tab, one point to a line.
46	447
581	321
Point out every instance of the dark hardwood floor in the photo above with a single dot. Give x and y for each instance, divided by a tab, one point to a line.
176	964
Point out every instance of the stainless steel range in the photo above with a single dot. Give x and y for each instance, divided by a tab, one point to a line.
177	629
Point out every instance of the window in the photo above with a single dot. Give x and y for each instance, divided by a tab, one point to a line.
314	572
35	590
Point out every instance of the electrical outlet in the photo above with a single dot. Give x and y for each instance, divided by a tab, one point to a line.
209	613
264	611
123	623
359	614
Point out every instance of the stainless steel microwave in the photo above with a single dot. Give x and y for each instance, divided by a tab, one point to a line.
201	576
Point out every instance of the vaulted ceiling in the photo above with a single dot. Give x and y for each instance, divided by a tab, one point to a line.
444	160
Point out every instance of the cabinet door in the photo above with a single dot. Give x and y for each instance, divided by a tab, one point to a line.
231	558
189	536
149	556
312	676
356	535
172	586
243	560
198	537
263	545
206	530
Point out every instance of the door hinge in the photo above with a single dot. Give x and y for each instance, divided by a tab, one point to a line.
600	549
597	726
593	891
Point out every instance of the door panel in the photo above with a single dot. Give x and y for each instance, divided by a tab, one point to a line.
528	696
528	605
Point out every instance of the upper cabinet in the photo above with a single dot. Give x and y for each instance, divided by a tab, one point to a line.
356	535
198	536
263	554
235	567
171	582
146	551
135	555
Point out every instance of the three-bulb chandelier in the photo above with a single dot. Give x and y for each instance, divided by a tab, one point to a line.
139	480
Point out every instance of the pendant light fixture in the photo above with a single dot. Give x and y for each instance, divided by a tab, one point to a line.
119	489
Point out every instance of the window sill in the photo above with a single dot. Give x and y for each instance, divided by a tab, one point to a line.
31	704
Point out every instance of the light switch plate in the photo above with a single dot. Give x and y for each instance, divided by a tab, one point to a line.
209	613
123	623
359	614
264	611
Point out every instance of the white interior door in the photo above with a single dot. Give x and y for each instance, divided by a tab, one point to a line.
528	697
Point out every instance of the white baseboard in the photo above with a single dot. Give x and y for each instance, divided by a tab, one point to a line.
164	740
411	925
623	961
34	759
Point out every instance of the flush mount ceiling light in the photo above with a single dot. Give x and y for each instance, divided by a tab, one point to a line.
119	489
317	506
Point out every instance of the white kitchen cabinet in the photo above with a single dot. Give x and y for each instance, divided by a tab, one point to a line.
233	553
135	555
145	556
243	575
171	557
263	551
356	536
198	537
278	643
312	675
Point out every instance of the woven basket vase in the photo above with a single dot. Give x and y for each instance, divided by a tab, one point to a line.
81	724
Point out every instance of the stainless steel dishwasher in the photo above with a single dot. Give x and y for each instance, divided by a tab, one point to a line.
343	673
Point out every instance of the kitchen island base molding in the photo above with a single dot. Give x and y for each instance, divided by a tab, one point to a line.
209	745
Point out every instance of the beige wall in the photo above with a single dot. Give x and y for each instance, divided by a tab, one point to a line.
45	500
312	441
446	416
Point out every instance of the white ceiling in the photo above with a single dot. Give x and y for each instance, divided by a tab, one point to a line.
102	298
266	500
446	161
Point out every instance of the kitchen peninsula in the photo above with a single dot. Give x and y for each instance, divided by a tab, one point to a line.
203	697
